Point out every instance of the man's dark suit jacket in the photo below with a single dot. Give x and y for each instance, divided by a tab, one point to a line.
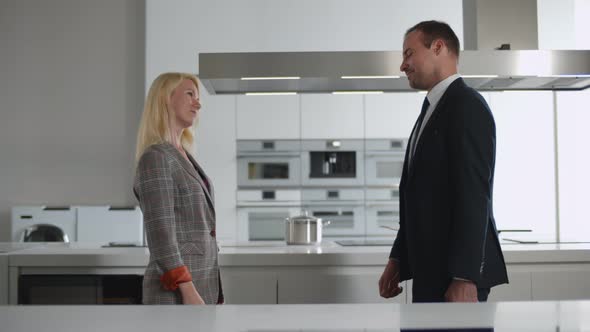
447	226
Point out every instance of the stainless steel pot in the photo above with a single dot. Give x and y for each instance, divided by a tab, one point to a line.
304	229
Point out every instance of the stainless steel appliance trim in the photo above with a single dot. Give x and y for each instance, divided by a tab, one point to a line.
329	204
265	205
269	155
387	154
322	72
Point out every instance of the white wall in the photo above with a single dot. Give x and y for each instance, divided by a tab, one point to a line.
507	21
177	31
71	87
563	24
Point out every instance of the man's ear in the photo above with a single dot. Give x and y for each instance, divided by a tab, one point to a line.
437	46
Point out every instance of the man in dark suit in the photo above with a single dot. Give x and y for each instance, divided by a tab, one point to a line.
447	241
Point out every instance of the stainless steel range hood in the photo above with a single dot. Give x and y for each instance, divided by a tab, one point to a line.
327	72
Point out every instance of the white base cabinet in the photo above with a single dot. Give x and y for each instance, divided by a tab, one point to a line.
3	279
305	284
332	285
561	282
519	288
243	285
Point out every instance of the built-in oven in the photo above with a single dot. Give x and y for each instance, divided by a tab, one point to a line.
269	163
262	213
344	208
332	163
384	161
382	212
79	289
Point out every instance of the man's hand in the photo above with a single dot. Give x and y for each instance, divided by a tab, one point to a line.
189	293
389	281
461	291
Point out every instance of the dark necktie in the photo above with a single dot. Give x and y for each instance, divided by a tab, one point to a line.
414	142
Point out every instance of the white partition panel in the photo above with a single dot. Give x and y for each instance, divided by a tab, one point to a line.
524	191
573	119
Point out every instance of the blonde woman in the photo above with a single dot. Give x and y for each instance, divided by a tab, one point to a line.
176	198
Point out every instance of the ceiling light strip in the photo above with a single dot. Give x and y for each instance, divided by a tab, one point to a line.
269	78
368	77
356	92
479	76
280	93
569	76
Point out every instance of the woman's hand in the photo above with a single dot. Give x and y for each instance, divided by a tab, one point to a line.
189	293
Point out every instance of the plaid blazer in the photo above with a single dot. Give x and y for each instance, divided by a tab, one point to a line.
179	219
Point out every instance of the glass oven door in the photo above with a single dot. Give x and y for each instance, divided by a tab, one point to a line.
344	220
264	222
269	170
262	213
382	210
384	161
384	168
342	207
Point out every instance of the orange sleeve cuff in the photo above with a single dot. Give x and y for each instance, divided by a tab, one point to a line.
172	278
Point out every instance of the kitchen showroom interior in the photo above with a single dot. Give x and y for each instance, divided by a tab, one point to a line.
322	133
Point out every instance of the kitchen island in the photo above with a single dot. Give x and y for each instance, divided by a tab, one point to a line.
503	316
272	272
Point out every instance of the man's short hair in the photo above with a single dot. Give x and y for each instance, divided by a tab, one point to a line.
437	30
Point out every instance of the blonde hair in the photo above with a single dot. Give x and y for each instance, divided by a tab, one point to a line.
154	127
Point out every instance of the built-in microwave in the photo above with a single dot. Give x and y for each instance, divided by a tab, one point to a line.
262	213
332	163
344	208
269	163
384	161
382	212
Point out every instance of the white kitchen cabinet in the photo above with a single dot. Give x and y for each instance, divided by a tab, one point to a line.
565	282
243	285
327	116
524	182
268	117
3	279
519	288
392	115
332	285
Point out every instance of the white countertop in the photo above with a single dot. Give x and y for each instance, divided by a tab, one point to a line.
502	316
272	254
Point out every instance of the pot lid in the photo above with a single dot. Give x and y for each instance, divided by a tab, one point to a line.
304	218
